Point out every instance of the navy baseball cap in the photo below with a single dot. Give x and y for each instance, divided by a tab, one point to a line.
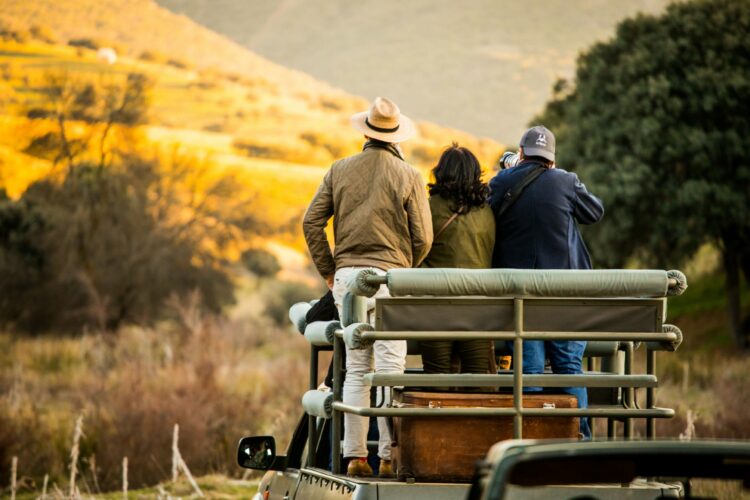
538	141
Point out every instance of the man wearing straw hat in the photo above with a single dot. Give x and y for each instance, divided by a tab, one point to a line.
381	220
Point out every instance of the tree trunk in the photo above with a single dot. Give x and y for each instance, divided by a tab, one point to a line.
731	260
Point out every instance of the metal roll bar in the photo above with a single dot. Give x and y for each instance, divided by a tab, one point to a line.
667	340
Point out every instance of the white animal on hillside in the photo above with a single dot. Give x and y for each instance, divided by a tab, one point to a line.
106	55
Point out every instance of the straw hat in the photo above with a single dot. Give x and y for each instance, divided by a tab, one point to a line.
384	122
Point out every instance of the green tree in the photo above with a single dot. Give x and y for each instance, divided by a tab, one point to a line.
113	237
106	246
260	262
658	124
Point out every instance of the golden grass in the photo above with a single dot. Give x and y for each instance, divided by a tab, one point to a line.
217	378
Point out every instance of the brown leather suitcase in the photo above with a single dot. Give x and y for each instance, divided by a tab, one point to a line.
446	449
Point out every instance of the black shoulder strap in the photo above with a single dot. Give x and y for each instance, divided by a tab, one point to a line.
512	194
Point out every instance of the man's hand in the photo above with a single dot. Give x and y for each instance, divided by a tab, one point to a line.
329	281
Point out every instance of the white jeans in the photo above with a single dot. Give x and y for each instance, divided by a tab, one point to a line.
389	356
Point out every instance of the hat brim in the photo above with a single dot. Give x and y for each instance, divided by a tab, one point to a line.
539	152
406	128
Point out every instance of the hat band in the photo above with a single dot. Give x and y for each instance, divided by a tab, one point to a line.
381	129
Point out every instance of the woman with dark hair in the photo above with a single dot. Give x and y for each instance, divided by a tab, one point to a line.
464	228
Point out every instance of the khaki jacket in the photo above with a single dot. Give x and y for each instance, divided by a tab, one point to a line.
381	217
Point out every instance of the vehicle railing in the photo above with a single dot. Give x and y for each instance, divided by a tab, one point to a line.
358	333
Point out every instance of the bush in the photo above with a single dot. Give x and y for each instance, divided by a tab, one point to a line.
132	388
15	35
95	44
38	114
281	295
107	246
178	63
49	147
86	43
43	33
260	262
153	56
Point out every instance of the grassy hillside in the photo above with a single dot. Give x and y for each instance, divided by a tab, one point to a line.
158	31
484	66
278	141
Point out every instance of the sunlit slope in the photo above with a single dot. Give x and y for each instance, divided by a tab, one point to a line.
137	26
485	66
278	143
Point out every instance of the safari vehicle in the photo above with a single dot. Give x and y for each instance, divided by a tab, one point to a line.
440	435
610	469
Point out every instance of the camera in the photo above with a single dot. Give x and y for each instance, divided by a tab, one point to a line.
508	160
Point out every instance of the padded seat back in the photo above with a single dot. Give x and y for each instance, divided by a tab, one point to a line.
540	314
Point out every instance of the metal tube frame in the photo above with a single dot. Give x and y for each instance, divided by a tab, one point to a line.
518	368
617	412
501	335
337	416
312	431
529	380
629	399
383	280
650	370
626	413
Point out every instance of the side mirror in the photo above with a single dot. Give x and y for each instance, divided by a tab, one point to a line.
259	452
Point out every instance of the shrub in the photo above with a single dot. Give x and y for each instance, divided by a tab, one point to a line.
86	43
15	35
260	262
152	56
178	63
132	389
280	295
38	113
107	246
43	33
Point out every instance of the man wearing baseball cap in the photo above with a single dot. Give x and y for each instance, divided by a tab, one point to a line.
538	229
381	221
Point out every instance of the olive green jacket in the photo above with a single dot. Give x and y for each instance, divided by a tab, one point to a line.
467	242
381	217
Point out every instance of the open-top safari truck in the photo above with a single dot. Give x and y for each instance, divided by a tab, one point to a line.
439	436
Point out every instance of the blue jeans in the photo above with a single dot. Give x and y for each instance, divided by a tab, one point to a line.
565	357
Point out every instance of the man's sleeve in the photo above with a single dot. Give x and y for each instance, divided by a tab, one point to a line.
314	225
496	193
588	209
420	221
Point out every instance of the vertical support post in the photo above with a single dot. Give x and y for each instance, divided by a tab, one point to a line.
630	391
312	434
651	370
614	364
590	367
518	368
337	416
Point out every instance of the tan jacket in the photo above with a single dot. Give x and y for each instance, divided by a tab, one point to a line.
381	214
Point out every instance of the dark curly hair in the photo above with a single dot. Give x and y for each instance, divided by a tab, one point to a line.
458	177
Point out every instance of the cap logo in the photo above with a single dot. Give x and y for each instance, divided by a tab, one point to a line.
541	140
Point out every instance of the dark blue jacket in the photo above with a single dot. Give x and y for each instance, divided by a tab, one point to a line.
539	230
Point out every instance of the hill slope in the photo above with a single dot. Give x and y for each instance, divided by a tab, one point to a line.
142	25
484	66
